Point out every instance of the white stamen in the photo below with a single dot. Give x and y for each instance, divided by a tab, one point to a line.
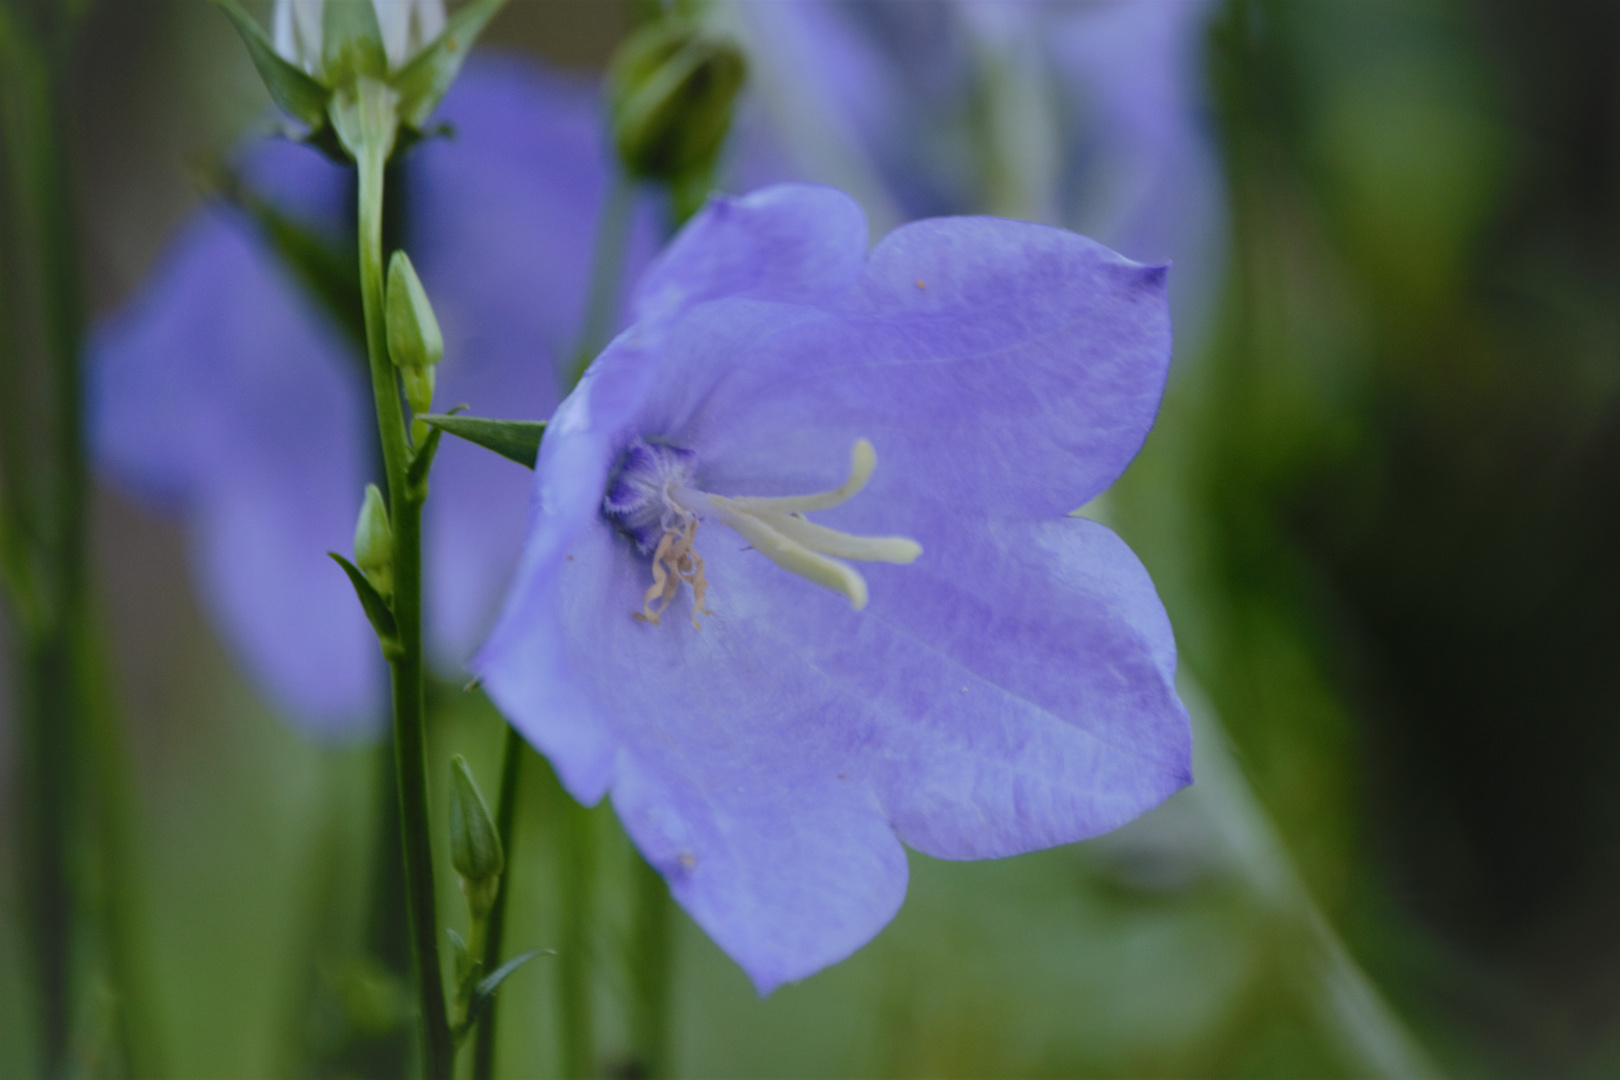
653	496
791	555
863	460
775	529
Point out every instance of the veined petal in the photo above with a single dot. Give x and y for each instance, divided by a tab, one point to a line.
1018	366
1041	673
762	763
793	242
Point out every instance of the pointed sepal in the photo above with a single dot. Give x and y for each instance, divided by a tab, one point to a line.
484	992
352	42
424	81
376	608
515	440
294	92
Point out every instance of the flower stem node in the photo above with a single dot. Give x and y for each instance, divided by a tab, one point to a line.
654	501
374	543
475	845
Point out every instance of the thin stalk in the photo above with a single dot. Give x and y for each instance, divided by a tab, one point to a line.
75	771
577	1035
408	668
47	776
505	824
652	948
607	271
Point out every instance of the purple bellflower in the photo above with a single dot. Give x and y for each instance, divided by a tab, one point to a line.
1090	112
855	472
224	393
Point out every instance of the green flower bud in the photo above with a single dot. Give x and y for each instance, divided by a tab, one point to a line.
475	845
374	543
671	91
414	340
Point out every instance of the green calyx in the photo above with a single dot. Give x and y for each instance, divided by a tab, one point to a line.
475	844
352	54
351	42
672	87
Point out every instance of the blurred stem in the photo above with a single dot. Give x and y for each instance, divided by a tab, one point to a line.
505	822
651	970
577	836
607	272
73	769
44	534
369	131
1371	1037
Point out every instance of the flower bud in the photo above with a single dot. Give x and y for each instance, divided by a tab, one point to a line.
414	340
672	86
374	543
475	845
404	26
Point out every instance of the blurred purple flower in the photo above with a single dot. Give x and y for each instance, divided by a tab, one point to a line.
1010	689
1084	113
225	393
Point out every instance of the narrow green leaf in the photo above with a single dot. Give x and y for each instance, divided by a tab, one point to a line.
376	609
298	95
416	476
484	992
351	41
515	440
424	81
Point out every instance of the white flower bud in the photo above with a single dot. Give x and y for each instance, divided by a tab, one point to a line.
406	25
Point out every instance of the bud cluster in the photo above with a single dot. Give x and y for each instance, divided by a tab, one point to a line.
672	86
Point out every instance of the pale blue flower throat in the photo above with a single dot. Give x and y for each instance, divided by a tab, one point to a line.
653	499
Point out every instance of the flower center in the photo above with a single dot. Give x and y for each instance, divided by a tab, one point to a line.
653	499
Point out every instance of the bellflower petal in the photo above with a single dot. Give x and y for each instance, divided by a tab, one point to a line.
1011	689
221	394
888	100
222	391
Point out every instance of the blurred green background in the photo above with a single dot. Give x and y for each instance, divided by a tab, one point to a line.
1382	505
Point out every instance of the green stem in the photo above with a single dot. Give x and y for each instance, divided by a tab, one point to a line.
505	822
376	130
77	797
577	1037
607	271
652	952
47	776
